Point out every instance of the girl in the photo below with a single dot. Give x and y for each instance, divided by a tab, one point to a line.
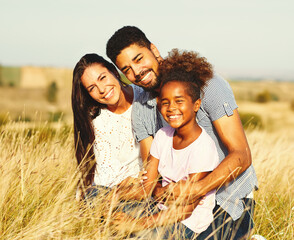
183	152
105	147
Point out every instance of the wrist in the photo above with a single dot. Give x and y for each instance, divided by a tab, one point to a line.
200	189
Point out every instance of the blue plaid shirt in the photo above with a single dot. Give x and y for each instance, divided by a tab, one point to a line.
217	101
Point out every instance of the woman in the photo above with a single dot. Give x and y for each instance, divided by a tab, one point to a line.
106	151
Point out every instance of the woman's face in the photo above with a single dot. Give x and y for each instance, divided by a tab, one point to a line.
101	84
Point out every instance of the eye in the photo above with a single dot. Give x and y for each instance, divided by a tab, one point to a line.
126	71
90	89
103	77
139	59
164	103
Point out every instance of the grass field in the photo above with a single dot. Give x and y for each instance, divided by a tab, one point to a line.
38	179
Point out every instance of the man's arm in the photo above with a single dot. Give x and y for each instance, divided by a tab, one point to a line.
231	133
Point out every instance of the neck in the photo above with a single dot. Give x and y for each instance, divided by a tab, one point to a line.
124	102
186	135
186	132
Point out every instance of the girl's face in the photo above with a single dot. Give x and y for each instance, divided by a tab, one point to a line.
177	106
101	84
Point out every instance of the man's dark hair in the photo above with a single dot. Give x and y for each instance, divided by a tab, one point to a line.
123	38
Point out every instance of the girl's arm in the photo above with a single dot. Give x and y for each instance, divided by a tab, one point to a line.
176	212
127	223
179	192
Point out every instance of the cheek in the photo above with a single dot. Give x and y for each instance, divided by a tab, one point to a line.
95	95
162	109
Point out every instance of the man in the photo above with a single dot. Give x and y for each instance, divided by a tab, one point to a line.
234	178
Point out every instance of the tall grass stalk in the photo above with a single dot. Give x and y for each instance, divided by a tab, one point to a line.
38	179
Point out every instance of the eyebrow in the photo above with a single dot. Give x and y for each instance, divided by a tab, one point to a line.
133	59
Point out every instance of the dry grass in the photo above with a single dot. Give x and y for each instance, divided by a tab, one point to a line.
38	180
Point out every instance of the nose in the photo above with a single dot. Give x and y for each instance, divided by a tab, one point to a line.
100	87
171	106
137	71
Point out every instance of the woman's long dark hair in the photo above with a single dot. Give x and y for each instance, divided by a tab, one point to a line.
85	109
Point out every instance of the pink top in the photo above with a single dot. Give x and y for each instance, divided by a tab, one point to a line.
174	165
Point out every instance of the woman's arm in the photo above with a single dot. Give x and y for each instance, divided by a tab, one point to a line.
142	190
145	146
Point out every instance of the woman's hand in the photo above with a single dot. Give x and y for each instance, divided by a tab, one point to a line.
130	181
125	223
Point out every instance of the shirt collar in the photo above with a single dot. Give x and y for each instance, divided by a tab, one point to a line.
148	99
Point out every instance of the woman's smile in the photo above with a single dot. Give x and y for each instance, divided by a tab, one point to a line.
109	94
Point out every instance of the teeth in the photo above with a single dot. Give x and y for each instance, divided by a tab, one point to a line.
173	116
146	76
108	94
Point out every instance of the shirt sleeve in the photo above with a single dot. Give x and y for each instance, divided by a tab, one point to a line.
218	99
139	129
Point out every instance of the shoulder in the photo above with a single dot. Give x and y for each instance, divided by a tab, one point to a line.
205	153
98	119
216	84
137	90
206	140
140	95
165	132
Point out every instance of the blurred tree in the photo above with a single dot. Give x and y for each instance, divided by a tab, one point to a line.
263	97
52	92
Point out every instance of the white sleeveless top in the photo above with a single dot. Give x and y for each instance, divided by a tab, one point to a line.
116	151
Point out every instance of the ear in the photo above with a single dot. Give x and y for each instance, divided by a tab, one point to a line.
154	50
197	105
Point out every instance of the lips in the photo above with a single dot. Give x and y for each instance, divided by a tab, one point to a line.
147	78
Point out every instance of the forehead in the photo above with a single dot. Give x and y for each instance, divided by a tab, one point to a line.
129	54
95	68
175	88
93	71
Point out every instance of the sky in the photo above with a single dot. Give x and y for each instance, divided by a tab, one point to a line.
241	39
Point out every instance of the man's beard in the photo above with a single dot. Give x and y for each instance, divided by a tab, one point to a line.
154	85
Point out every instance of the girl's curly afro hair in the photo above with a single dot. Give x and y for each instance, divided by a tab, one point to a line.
187	67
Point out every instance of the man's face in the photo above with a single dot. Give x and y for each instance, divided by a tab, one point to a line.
140	65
